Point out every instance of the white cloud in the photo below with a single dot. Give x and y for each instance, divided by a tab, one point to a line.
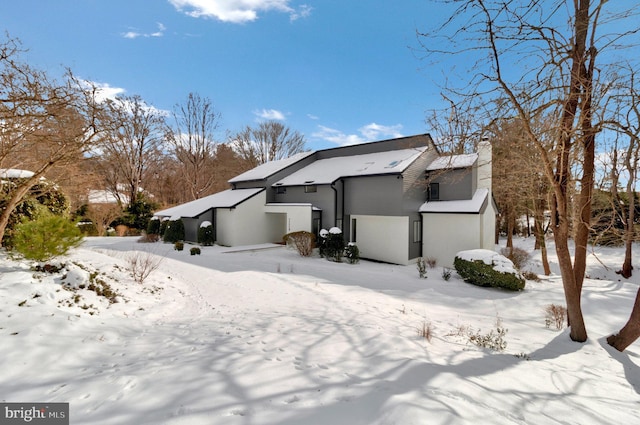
238	11
104	91
303	11
337	137
270	114
368	133
375	131
135	34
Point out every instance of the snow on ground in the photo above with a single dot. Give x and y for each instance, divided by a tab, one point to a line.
263	336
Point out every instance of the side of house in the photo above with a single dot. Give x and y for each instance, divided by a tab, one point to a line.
398	199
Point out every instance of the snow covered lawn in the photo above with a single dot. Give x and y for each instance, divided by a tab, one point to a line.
266	337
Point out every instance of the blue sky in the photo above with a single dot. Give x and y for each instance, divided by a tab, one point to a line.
337	71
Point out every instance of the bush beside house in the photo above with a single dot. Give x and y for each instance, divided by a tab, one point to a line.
206	236
174	231
487	268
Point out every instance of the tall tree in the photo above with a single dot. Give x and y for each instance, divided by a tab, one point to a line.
131	146
556	48
270	141
44	124
194	144
627	123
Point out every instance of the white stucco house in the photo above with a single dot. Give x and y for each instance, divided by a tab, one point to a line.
397	199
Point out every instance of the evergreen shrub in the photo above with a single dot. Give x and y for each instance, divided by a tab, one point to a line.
334	248
174	231
46	237
206	236
195	251
153	228
499	274
352	252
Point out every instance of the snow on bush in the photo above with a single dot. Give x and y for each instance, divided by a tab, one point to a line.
484	267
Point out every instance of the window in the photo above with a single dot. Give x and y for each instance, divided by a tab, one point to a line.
353	230
434	191
310	188
417	231
281	190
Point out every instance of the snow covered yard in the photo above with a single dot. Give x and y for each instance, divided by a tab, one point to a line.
267	337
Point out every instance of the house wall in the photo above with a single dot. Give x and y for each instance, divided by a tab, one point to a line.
488	225
191	225
296	217
382	238
444	235
247	224
456	184
324	198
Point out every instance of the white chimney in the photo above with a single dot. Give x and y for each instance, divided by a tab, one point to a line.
484	173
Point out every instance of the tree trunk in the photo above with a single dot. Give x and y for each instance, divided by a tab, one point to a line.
571	292
539	231
627	268
630	332
16	197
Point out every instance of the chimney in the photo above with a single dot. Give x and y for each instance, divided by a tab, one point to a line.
484	173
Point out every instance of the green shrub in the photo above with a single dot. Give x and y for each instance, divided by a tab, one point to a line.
302	241
174	231
163	226
352	253
46	237
206	235
334	245
153	228
499	274
178	246
195	251
44	193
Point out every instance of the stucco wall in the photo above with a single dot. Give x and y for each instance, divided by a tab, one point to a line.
382	238
488	218
444	235
297	217
323	198
247	224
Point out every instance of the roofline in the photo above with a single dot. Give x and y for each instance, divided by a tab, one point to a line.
393	139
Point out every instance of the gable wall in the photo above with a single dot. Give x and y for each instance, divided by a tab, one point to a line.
323	198
249	224
455	184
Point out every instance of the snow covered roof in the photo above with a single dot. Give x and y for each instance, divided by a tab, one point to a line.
13	173
473	205
226	199
328	170
104	197
453	162
269	168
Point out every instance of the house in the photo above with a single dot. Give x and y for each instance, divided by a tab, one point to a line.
381	195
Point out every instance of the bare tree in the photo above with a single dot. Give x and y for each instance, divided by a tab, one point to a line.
131	146
194	144
555	48
270	141
627	123
44	124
